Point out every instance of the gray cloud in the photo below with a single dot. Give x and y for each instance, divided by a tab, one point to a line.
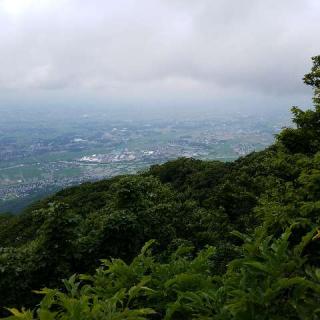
130	49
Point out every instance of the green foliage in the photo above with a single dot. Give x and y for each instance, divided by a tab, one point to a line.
272	280
233	241
306	137
313	79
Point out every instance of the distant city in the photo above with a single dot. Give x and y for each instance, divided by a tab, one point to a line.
37	159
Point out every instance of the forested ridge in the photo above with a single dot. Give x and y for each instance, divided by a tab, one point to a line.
187	239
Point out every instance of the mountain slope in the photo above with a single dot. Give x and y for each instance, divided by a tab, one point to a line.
234	240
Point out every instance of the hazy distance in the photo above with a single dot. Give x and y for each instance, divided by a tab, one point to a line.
169	55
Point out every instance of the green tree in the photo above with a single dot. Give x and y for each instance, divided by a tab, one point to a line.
305	138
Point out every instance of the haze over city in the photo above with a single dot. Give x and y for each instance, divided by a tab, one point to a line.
93	89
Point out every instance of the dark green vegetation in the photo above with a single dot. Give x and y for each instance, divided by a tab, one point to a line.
234	240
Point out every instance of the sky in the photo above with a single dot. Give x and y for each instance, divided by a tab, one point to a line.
156	53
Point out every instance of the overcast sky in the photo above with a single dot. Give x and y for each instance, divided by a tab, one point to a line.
157	52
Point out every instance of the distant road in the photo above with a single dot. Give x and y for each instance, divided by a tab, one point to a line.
12	167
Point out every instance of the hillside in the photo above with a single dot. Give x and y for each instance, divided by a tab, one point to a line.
236	240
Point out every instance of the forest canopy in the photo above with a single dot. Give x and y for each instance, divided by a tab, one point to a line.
187	239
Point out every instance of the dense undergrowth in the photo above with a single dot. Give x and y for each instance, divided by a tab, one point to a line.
234	240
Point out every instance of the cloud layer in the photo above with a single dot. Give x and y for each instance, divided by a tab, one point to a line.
134	49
